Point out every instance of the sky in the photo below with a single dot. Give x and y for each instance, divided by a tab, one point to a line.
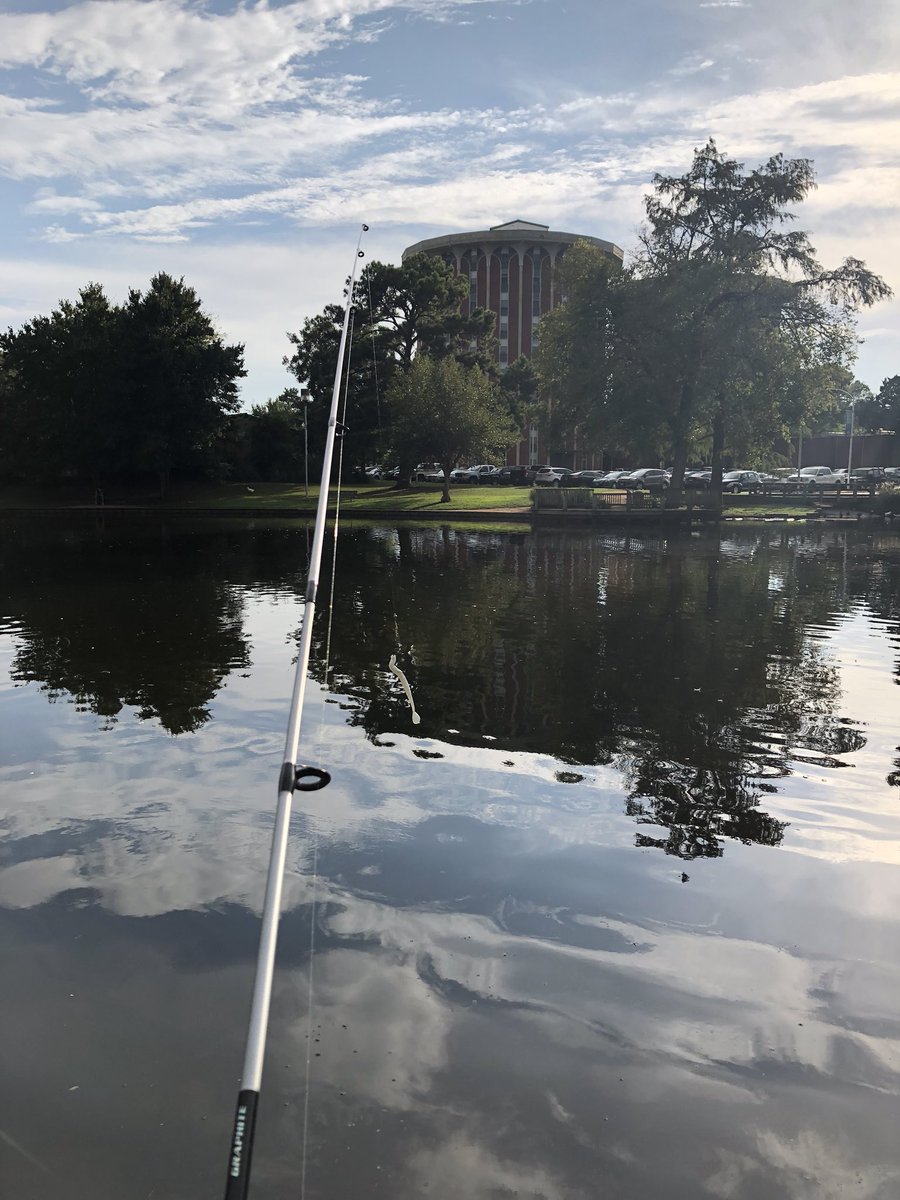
241	146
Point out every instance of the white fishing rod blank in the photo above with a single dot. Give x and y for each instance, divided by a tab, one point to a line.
292	778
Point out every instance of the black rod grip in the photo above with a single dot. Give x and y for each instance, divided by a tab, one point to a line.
241	1146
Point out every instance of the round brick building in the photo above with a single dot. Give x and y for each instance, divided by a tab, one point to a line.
510	270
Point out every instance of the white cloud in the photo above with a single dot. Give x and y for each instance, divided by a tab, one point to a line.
191	128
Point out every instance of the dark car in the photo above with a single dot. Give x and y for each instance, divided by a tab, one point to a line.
698	480
611	478
516	476
652	478
741	481
867	476
590	479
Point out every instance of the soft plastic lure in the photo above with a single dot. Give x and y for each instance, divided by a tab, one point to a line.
404	683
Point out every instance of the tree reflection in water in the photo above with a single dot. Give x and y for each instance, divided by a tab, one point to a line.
689	663
695	664
141	614
698	808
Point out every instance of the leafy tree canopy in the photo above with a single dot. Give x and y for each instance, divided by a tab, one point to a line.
95	390
447	412
399	312
725	327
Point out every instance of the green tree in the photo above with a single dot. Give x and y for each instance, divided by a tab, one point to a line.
94	390
445	411
577	357
60	390
275	431
519	389
181	377
725	264
724	328
881	411
399	312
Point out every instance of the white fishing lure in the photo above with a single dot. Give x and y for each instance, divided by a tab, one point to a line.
404	683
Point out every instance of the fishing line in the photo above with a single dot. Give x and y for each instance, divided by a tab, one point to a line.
309	1009
368	275
320	739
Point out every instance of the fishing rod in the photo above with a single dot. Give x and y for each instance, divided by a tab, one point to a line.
293	777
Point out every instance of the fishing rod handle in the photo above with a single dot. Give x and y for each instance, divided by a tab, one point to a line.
241	1145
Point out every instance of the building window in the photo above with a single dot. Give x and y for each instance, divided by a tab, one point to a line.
504	356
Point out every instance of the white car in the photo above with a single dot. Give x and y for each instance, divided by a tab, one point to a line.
822	477
551	476
480	474
428	473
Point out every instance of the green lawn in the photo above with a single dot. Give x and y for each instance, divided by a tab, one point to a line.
774	506
371	498
422	497
266	497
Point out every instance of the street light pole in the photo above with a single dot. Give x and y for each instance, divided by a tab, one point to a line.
850	454
304	396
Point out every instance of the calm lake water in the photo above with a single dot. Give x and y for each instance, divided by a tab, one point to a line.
620	918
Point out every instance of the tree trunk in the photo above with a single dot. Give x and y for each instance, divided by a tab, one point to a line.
680	444
404	474
445	494
718	445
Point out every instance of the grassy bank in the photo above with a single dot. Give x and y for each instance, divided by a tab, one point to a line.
368	499
771	507
271	497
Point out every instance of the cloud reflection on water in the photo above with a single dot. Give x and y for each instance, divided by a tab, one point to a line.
532	1000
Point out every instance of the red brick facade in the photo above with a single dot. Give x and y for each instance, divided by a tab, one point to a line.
510	269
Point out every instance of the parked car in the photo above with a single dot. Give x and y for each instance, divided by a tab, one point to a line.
821	477
551	476
816	472
867	476
516	475
611	478
652	478
698	480
533	470
584	479
481	474
741	481
428	473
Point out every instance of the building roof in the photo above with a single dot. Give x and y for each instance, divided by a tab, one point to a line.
518	232
518	224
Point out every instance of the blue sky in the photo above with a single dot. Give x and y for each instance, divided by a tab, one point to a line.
241	145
